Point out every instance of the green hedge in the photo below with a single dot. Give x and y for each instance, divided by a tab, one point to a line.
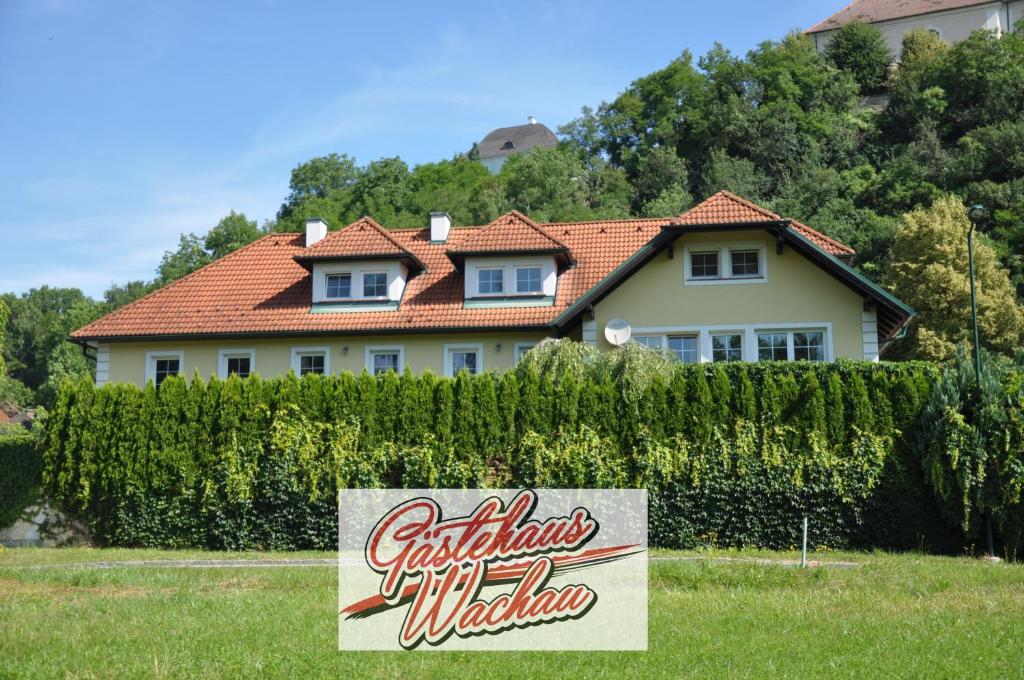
732	454
21	467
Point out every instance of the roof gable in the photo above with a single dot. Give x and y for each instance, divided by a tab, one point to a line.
362	237
873	11
725	208
511	234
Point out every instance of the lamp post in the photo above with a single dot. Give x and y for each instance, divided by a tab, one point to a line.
977	214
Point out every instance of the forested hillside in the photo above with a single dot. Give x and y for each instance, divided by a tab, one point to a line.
880	151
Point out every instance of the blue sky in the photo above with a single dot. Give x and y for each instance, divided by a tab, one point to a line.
124	124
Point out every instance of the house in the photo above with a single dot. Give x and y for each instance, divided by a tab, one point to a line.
494	149
724	281
952	20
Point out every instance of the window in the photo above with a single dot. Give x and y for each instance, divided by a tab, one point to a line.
528	280
727	347
463	357
648	341
383	359
166	368
240	362
704	265
491	281
522	348
684	347
809	346
162	365
375	284
772	346
306	360
339	285
745	263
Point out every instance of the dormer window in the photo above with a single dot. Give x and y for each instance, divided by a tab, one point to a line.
528	280
492	281
339	286
375	284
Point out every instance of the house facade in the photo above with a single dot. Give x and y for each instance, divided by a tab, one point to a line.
500	144
951	20
725	281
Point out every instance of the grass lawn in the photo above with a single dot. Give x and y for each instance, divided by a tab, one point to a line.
893	616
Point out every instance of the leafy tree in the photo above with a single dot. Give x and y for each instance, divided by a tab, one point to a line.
860	49
231	233
119	295
318	178
738	175
929	270
190	256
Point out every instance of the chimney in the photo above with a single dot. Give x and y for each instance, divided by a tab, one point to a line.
532	120
440	225
316	229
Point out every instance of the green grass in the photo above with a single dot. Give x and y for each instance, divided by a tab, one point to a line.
894	616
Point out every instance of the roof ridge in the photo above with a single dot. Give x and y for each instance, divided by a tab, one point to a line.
745	202
173	284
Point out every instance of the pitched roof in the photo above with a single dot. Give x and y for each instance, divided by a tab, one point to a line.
873	11
263	289
511	233
725	207
516	139
362	237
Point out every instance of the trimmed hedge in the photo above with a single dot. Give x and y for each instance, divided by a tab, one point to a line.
733	455
21	473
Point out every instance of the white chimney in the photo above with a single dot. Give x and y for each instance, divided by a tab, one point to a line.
440	225
316	229
532	120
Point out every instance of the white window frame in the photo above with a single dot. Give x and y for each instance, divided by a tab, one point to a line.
327	275
362	284
463	347
298	352
660	338
749	332
725	276
481	270
521	348
224	354
515	276
727	333
371	350
153	355
548	276
666	348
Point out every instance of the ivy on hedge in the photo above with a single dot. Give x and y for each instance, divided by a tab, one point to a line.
732	454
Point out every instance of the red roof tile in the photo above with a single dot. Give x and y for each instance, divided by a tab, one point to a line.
512	232
362	237
261	288
873	11
725	208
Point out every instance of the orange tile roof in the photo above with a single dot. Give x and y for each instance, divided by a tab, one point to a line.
362	237
262	289
873	11
725	207
512	232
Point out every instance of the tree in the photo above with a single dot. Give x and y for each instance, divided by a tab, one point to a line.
190	256
231	233
929	272
318	178
119	295
737	175
860	49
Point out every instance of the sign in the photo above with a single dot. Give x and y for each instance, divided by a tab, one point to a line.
472	569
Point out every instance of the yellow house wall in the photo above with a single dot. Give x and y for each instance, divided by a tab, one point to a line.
273	356
796	291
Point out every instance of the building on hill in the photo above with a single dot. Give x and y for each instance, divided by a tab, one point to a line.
725	281
494	149
952	20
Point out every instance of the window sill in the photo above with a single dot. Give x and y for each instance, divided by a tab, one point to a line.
725	281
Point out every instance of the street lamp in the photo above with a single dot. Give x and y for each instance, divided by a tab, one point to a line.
977	214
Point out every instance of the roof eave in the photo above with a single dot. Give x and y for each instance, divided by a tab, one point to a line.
410	260
563	255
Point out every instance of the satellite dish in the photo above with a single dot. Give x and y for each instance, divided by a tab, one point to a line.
617	332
